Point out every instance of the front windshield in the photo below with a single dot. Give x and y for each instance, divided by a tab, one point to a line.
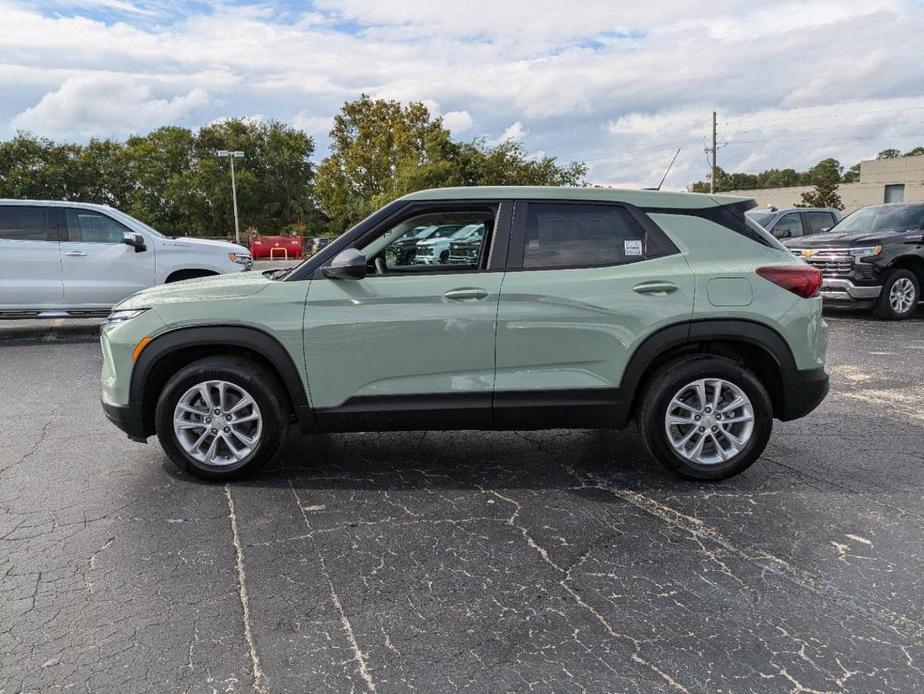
761	218
882	217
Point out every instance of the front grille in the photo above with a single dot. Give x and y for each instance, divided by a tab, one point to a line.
831	262
462	255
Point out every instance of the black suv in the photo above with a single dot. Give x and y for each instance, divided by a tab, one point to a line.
874	256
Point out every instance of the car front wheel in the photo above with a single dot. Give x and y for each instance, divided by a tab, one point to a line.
220	418
900	295
705	417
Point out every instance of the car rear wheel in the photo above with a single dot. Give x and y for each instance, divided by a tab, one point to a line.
705	417
220	418
900	295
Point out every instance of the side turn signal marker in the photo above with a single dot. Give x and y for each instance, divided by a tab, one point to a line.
142	343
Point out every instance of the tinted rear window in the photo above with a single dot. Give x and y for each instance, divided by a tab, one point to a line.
24	223
568	235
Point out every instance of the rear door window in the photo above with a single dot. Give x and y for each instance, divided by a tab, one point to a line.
789	226
87	226
26	223
816	221
562	235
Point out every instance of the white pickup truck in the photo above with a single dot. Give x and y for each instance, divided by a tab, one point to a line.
65	259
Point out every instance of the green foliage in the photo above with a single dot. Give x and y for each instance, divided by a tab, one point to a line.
916	152
825	176
171	178
381	150
890	153
852	175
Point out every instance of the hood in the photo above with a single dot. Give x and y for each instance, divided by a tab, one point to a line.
199	289
833	239
189	242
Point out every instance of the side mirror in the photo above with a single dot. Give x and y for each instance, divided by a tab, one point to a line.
824	229
136	241
349	264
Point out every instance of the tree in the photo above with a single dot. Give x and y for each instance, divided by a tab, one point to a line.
381	149
851	175
890	153
825	176
916	152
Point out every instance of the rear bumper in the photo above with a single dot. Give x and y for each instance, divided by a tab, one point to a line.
127	418
845	290
802	393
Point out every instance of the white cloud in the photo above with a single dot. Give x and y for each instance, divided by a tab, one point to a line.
105	105
620	85
311	124
515	131
458	121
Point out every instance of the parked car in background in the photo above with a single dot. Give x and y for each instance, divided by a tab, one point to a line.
73	259
587	308
435	250
873	257
795	222
405	248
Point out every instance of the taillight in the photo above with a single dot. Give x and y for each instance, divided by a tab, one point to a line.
803	280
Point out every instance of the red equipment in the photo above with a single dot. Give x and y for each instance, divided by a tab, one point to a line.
276	247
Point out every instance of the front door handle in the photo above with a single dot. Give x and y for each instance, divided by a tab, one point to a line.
76	253
466	294
655	288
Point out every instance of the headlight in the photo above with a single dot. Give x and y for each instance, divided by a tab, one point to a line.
240	258
122	316
865	251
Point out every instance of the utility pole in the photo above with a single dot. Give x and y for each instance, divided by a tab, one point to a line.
232	155
714	148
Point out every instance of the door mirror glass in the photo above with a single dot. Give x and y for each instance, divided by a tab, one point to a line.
136	241
349	264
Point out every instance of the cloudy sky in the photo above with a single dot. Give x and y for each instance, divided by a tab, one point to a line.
619	85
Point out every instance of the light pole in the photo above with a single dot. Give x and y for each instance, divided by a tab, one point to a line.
232	155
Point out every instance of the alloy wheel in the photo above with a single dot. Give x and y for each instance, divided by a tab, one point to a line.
217	423
901	295
709	421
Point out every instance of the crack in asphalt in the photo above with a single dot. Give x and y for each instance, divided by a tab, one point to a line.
358	654
256	670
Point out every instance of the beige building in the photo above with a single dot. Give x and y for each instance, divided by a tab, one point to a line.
881	180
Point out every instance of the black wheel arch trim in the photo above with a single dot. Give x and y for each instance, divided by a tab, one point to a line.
792	380
225	336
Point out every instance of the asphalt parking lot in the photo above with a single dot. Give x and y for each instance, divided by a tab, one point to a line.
540	561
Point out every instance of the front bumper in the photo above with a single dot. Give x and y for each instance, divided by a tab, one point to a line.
845	290
802	393
127	418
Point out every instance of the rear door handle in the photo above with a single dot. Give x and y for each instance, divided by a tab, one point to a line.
655	288
466	294
76	253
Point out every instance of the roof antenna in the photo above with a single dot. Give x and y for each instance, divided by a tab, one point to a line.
669	166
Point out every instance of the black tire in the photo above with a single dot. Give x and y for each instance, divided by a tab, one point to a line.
263	387
883	307
181	275
668	380
444	258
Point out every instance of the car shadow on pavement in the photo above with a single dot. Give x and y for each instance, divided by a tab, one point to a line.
473	460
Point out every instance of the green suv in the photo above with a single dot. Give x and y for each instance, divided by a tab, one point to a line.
580	308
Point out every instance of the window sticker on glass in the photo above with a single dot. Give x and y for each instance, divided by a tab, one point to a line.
633	247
